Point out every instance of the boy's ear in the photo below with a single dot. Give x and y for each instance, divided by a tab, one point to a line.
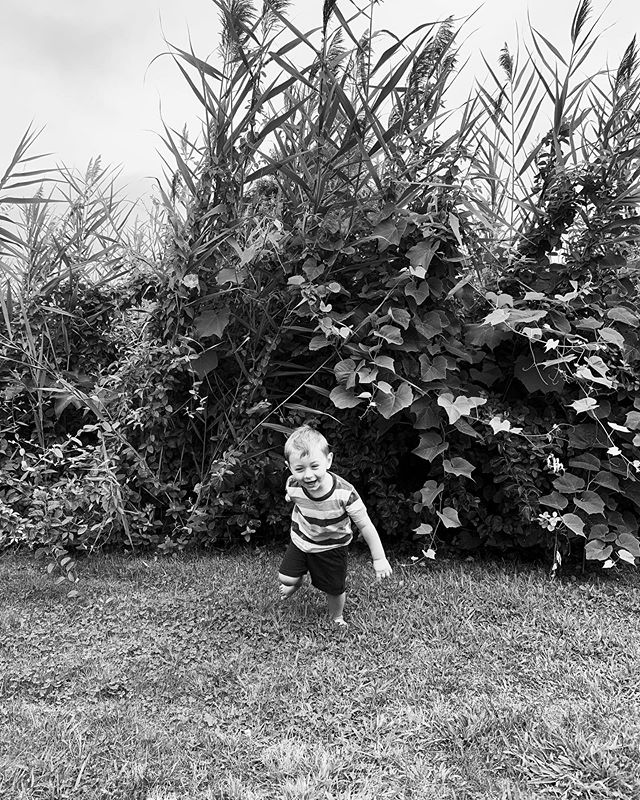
329	459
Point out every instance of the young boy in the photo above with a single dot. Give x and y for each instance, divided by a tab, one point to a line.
324	507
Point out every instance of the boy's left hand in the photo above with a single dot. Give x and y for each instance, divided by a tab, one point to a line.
382	568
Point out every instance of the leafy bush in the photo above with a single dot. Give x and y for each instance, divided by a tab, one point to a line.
452	302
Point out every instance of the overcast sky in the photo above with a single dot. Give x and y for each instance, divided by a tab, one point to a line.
83	70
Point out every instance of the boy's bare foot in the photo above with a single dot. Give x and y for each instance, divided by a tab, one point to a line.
339	623
287	591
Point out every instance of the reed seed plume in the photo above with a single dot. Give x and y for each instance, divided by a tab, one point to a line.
336	51
434	59
269	6
235	18
334	55
506	61
628	65
445	36
583	12
327	11
270	10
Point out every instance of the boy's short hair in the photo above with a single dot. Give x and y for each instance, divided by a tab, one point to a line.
303	440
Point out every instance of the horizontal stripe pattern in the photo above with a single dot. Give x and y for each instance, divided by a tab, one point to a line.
318	524
324	543
321	522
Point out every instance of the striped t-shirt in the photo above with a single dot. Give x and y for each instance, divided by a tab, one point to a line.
322	523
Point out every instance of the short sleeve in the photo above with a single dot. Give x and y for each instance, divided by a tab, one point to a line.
292	488
356	508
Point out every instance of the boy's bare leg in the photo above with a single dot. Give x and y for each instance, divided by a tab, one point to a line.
288	585
336	606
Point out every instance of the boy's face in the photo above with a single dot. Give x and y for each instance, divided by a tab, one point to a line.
311	470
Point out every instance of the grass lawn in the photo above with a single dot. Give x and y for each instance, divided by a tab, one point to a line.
188	679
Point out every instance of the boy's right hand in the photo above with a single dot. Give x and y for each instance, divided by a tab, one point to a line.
382	568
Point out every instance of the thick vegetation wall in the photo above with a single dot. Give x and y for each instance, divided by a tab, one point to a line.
451	299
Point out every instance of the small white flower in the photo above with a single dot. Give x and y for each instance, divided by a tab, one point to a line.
551	344
554	465
191	281
636	465
549	521
614	451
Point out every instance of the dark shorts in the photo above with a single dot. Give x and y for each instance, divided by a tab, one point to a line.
328	570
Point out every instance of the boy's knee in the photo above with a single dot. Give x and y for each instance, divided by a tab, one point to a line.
288	580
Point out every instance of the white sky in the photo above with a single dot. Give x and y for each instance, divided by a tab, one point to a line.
83	69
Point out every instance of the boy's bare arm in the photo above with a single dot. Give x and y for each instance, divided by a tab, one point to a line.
370	535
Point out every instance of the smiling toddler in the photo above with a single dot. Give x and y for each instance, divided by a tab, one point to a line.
324	508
